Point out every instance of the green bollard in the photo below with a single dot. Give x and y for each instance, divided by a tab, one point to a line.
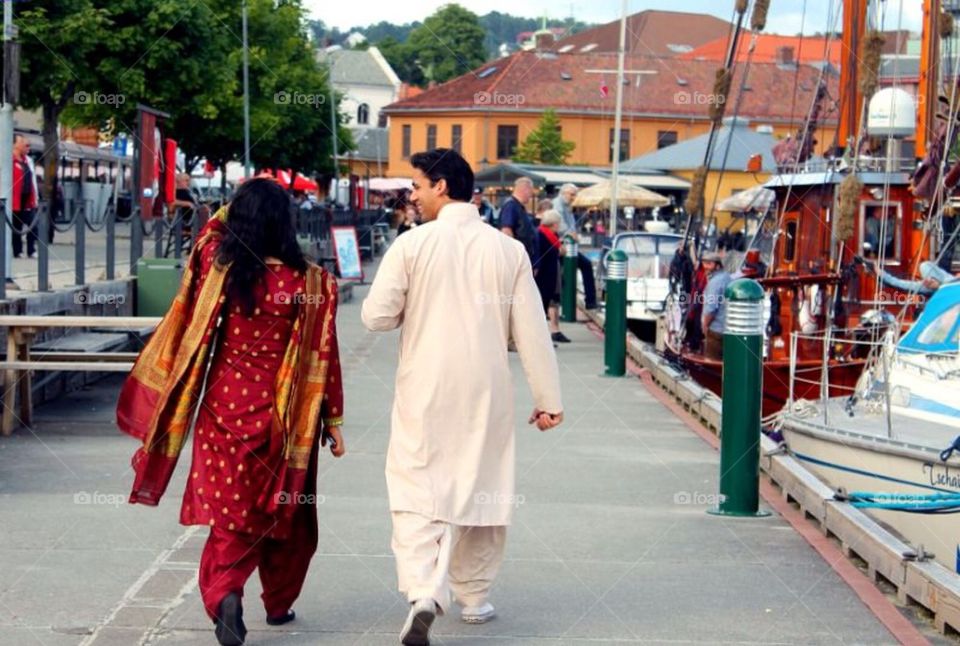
615	313
568	294
742	395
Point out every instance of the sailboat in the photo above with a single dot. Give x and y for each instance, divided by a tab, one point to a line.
859	199
891	444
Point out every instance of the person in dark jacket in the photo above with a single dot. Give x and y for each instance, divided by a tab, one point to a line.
546	270
516	221
409	221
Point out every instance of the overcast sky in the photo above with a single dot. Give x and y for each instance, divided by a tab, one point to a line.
785	15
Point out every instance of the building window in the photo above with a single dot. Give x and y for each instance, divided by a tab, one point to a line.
363	114
456	136
666	138
624	145
431	136
790	242
507	139
381	120
405	145
880	230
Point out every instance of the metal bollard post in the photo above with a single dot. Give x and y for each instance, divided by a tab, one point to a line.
568	295
742	395
615	322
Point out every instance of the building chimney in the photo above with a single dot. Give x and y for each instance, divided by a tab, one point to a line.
543	39
785	55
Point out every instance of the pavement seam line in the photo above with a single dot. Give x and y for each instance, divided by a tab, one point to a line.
137	585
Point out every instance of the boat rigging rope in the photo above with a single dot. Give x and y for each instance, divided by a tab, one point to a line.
933	503
947	452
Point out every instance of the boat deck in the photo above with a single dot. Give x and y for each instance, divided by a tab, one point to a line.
869	422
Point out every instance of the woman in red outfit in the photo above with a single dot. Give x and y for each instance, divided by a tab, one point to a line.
257	322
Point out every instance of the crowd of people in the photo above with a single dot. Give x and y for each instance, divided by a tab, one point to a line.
541	232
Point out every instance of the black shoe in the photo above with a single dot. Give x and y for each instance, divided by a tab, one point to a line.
559	337
591	306
282	619
230	630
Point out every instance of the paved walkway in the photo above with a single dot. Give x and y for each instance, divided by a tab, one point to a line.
610	544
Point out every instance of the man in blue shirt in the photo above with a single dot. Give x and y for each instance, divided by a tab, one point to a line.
515	221
714	310
931	277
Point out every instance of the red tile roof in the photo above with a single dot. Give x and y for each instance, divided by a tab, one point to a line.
651	32
532	81
810	49
807	50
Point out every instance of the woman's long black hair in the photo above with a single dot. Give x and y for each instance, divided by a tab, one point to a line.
260	223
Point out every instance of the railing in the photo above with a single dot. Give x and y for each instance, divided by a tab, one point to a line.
879	344
863	164
173	235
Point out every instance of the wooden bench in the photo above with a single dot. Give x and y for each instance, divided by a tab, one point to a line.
82	352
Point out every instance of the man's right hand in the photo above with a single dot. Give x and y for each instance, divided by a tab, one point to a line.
545	421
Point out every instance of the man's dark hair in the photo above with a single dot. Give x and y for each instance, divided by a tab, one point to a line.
444	163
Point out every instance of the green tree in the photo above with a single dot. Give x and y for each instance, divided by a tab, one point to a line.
57	40
403	60
545	144
448	43
89	62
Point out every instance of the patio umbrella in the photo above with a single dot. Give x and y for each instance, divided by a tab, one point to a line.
757	197
628	194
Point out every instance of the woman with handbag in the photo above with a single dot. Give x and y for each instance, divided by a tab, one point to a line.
248	352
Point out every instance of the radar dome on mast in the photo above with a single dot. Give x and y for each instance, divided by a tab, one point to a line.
892	113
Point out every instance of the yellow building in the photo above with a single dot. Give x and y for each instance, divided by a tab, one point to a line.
487	113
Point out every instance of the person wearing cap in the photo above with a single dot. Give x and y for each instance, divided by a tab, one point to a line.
483	207
563	204
714	314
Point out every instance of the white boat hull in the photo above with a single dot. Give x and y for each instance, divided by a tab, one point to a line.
860	462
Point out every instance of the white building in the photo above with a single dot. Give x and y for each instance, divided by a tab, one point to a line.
366	81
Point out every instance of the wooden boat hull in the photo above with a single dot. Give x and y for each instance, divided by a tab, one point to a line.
776	378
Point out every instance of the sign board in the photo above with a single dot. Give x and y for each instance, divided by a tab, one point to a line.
346	247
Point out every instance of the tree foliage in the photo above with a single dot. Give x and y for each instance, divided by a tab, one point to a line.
545	144
448	44
92	61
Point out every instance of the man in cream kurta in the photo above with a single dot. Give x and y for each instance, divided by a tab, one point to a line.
460	290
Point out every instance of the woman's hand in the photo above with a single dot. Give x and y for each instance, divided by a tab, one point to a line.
332	434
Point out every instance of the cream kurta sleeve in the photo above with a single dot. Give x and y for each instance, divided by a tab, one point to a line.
528	328
383	307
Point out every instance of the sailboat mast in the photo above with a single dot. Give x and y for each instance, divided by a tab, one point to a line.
927	92
854	27
617	120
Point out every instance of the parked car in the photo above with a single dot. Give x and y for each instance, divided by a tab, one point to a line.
648	271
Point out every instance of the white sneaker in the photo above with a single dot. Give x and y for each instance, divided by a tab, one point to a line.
416	631
478	614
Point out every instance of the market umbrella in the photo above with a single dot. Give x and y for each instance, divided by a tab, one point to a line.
628	194
757	197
